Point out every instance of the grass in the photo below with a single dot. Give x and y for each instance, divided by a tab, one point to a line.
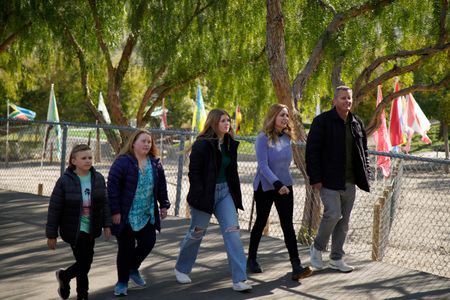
417	146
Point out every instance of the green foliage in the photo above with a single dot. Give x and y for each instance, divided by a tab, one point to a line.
217	44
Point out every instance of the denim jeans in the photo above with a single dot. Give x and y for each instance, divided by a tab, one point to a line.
338	206
226	214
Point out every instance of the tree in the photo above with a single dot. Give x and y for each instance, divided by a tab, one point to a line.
176	43
346	37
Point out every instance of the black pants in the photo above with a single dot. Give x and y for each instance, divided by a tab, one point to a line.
130	256
285	207
83	251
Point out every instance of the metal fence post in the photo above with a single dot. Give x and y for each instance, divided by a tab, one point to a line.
179	174
64	149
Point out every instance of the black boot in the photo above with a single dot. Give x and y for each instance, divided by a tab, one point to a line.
253	266
298	272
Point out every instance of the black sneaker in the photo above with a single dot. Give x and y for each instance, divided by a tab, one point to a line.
64	287
253	266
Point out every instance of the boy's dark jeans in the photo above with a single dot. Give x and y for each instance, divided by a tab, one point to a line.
83	252
130	256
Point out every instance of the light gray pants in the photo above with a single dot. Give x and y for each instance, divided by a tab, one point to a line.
336	216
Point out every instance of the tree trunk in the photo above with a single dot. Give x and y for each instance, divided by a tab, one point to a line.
445	134
336	79
276	54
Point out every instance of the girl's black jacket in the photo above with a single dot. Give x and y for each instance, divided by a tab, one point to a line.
205	160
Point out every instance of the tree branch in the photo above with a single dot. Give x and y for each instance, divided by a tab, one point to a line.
124	62
375	120
361	90
443	35
198	10
165	88
328	6
367	72
339	20
13	36
99	35
148	93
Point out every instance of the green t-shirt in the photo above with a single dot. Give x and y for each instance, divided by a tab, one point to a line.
86	195
226	160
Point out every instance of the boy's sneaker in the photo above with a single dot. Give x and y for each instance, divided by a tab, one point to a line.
181	277
316	258
241	286
137	278
121	289
64	287
340	265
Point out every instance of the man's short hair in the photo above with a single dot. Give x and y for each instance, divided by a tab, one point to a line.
341	88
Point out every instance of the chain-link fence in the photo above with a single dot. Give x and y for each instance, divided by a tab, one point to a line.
405	220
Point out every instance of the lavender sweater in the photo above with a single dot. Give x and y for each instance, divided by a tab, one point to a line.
273	162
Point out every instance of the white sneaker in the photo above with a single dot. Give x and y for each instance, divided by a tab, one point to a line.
181	277
316	258
340	265
241	286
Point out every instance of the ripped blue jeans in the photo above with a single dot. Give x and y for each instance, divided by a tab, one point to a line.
226	214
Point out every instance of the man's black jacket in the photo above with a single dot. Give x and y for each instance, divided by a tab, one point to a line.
326	153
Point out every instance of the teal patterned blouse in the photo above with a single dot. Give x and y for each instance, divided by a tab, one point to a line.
142	209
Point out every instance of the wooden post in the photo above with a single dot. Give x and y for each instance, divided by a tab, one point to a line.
188	212
267	228
251	214
51	152
40	189
98	145
376	232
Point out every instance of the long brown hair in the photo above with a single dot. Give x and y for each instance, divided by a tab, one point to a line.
269	123
212	124
128	147
75	150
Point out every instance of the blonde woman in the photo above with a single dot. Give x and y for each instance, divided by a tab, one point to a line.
273	184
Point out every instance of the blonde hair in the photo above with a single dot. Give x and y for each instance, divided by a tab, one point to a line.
75	150
128	147
269	123
212	124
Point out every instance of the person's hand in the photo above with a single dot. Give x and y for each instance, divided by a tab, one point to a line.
284	190
163	213
116	219
317	186
107	233
51	243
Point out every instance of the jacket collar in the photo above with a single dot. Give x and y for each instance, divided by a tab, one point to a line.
335	115
134	160
72	173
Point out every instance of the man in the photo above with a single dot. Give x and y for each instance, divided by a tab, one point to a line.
336	161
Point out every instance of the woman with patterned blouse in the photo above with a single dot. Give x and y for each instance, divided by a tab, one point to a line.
136	185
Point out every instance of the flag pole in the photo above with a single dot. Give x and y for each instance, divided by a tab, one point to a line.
7	134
